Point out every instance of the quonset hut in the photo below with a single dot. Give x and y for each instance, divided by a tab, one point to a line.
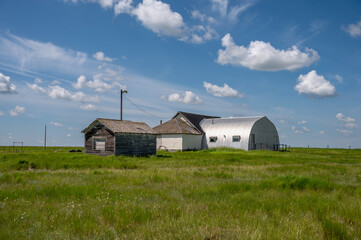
248	133
116	137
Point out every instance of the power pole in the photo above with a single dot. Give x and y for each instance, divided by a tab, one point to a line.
121	102
45	139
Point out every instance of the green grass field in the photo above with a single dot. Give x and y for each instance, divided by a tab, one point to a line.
213	194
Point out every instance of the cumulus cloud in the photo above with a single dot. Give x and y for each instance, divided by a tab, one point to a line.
321	132
348	122
35	87
89	107
68	135
100	56
159	17
353	29
5	85
199	34
345	119
220	6
57	92
55	82
123	6
263	56
344	131
186	97
300	130
56	124
218	91
80	83
315	85
1	113
302	122
202	17
16	111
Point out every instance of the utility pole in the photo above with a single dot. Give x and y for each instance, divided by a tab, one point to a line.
45	139
121	102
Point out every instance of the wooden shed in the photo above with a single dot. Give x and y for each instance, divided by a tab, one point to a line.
181	133
116	137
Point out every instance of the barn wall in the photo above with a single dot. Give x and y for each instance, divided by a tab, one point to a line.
224	131
172	142
191	142
266	135
135	144
96	132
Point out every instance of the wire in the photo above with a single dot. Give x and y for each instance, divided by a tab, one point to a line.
142	109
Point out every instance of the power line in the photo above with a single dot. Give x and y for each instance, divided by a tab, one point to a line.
142	109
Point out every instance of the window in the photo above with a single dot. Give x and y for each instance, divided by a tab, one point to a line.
236	138
99	144
212	139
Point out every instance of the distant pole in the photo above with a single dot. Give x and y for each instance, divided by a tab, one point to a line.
121	102
45	139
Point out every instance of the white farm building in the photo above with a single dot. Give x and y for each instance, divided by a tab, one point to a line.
188	131
248	133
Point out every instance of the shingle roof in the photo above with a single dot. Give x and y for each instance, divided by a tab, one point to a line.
195	119
176	126
118	126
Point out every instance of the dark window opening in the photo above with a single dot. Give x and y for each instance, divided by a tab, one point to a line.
236	138
212	139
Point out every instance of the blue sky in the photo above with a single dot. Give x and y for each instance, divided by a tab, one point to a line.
62	63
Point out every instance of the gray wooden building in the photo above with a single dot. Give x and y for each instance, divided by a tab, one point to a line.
116	137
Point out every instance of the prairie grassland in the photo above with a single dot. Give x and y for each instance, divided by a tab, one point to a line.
212	194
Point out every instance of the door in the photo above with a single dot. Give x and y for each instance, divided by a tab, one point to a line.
252	142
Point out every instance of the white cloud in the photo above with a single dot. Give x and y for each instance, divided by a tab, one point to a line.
302	122
101	57
199	34
57	92
220	6
344	131
236	10
100	86
158	17
103	3
263	56
80	83
321	132
282	121
56	124
351	125
186	97
68	135
225	91
338	78
16	111
5	85
31	54
345	119
315	85
55	82
353	29
1	113
202	17
300	130
349	122
38	80
123	6
36	87
89	107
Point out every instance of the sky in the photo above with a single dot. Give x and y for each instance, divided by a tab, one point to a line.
63	63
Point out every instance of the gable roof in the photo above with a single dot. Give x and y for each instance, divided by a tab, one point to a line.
195	119
176	126
121	126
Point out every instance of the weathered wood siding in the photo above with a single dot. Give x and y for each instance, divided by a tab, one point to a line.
135	144
99	131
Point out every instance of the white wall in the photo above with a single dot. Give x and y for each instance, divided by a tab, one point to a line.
192	142
172	142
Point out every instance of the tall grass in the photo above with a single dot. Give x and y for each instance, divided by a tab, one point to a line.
217	194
